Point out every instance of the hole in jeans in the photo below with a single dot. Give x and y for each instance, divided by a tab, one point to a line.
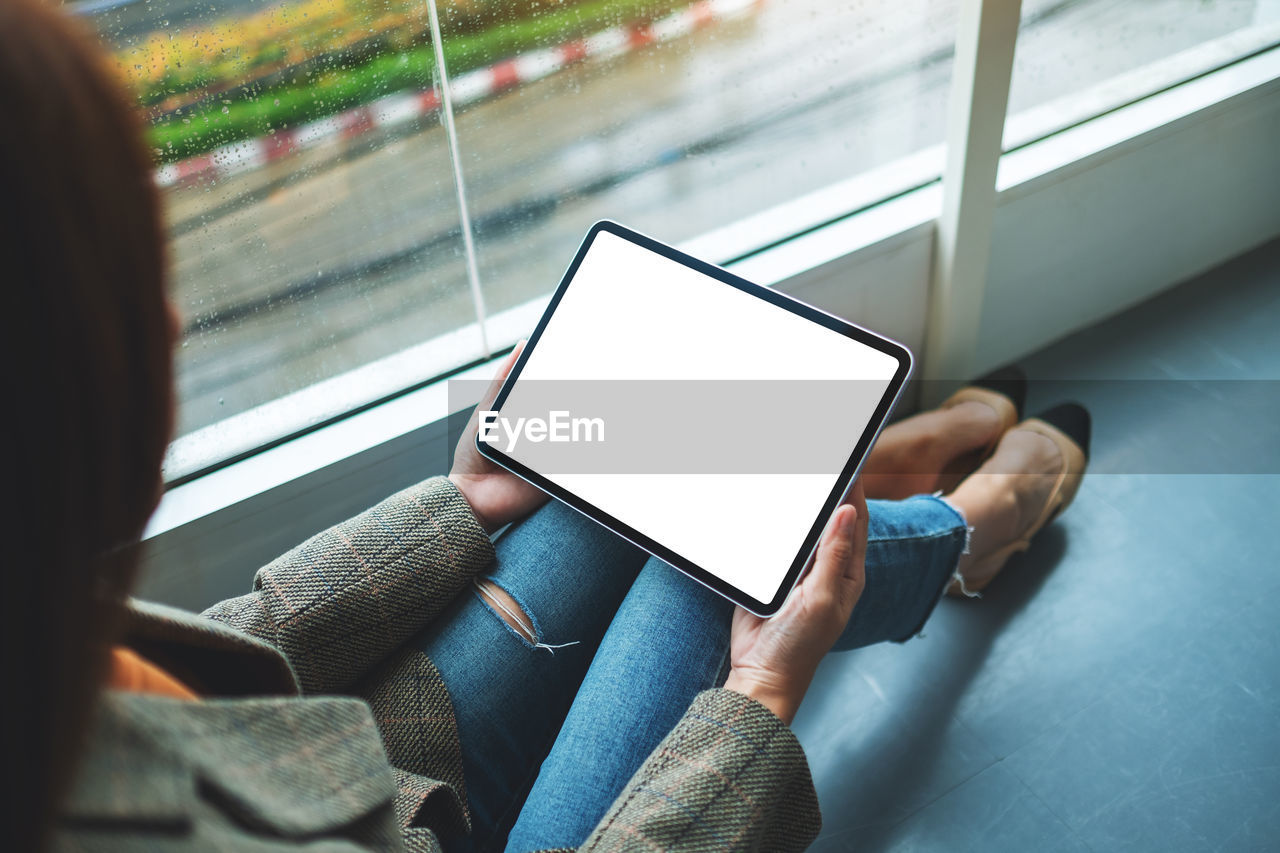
507	609
504	605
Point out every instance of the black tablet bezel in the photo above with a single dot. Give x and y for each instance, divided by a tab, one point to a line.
803	555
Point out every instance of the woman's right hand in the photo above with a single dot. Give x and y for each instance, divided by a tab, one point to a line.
497	496
773	660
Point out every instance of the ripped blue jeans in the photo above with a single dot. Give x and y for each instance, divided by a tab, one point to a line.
551	735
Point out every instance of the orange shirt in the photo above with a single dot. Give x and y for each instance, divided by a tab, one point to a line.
130	671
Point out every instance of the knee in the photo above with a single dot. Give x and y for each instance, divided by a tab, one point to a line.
504	605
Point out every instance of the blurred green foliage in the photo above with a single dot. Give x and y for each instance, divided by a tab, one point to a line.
476	33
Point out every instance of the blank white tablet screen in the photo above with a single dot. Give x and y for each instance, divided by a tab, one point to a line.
646	332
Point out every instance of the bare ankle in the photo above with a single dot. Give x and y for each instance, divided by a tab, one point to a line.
989	504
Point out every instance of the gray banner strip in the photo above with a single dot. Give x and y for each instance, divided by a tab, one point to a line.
1141	426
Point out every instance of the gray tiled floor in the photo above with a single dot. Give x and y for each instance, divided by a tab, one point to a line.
1119	688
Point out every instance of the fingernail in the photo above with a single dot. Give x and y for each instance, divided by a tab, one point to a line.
848	522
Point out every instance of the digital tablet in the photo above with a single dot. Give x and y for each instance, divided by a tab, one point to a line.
710	421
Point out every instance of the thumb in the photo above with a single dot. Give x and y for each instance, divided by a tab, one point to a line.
835	567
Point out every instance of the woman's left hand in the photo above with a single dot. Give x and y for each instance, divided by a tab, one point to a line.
773	660
497	496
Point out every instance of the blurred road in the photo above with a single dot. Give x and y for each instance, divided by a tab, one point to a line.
331	258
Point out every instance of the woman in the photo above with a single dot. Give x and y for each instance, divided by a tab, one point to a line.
578	694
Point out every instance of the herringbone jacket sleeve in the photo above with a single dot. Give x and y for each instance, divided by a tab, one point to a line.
346	598
729	776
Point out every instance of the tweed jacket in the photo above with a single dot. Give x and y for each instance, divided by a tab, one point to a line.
319	726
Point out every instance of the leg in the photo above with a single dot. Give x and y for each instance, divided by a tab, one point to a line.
670	640
564	576
912	455
1005	499
913	549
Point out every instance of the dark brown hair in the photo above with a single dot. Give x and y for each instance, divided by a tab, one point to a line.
87	388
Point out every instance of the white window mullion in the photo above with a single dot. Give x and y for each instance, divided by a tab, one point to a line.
985	39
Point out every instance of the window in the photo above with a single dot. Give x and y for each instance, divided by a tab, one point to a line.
692	117
307	185
1075	59
1073	225
316	231
343	226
